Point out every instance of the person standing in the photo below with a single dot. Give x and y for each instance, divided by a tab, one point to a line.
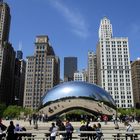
99	133
83	128
61	127
129	128
10	131
2	129
69	130
53	130
105	118
89	128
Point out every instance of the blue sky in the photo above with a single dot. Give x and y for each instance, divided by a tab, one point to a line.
72	25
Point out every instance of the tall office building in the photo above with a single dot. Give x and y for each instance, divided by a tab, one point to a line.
19	78
70	66
5	19
135	67
113	65
7	57
42	72
20	54
92	67
7	67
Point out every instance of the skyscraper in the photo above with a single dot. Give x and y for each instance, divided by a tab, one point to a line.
5	19
92	67
19	54
7	74
19	79
135	66
42	72
7	57
113	65
70	66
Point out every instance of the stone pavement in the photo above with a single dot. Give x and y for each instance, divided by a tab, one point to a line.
43	128
46	125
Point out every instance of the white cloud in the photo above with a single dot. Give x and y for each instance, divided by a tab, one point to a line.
73	17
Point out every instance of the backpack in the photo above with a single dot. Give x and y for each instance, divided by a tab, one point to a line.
130	129
71	128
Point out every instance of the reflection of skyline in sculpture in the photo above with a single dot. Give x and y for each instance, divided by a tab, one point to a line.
78	89
77	95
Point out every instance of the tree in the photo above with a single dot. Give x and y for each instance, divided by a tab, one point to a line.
12	111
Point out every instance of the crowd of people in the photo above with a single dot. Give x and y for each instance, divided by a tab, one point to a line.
86	126
10	131
66	129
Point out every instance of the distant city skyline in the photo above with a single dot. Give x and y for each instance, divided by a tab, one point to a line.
72	26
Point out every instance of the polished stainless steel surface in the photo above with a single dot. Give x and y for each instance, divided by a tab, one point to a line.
78	89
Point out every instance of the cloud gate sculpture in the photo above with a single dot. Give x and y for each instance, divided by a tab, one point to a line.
77	95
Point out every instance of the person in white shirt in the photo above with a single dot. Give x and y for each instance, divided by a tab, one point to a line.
129	128
53	130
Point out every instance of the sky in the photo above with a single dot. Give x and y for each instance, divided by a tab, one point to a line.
72	25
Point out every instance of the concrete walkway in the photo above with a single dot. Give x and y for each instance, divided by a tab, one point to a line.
43	128
46	125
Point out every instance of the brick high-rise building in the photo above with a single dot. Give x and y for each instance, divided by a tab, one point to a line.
42	72
92	67
135	67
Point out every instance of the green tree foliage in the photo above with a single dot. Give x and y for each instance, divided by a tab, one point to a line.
12	111
27	111
128	111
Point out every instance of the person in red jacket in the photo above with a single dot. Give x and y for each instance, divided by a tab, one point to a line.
105	118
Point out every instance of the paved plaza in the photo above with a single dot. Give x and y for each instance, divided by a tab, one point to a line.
46	125
43	127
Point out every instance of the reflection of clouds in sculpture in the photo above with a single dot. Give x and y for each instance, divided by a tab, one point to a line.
77	89
67	90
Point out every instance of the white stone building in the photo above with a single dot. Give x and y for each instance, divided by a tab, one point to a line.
113	65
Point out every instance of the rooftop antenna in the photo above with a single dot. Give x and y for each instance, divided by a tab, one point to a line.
20	46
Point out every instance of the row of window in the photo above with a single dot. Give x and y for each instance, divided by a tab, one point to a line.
115	42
